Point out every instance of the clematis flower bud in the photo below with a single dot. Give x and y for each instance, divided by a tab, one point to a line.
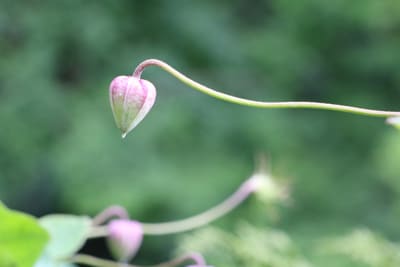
131	99
124	238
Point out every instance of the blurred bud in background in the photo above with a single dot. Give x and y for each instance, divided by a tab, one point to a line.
124	239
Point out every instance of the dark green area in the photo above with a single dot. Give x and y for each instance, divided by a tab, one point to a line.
61	152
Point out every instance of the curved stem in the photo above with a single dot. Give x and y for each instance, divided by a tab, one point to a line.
195	257
248	187
94	261
259	104
108	213
204	218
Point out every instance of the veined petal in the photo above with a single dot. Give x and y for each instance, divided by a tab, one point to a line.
150	98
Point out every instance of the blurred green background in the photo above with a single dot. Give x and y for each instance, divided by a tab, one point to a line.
61	152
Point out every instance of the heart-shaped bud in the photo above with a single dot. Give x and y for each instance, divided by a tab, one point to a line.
124	238
131	99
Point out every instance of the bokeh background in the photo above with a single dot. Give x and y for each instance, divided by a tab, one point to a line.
61	152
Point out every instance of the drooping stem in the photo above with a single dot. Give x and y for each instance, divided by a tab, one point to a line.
206	217
244	191
108	213
197	258
260	104
94	261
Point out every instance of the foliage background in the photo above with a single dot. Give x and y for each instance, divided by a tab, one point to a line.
60	150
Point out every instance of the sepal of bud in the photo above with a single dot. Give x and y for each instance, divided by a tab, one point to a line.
124	238
131	99
268	189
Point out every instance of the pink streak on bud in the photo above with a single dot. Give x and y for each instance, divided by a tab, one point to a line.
124	238
131	99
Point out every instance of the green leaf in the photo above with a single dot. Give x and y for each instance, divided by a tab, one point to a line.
67	234
6	260
22	239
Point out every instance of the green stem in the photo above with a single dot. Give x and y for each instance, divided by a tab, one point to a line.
206	217
244	191
259	104
94	261
108	213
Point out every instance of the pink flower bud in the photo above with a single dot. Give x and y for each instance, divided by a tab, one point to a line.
131	99
124	238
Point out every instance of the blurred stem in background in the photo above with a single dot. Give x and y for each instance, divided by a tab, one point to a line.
94	261
259	183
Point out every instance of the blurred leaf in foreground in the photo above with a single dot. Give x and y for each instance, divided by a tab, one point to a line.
67	234
21	238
